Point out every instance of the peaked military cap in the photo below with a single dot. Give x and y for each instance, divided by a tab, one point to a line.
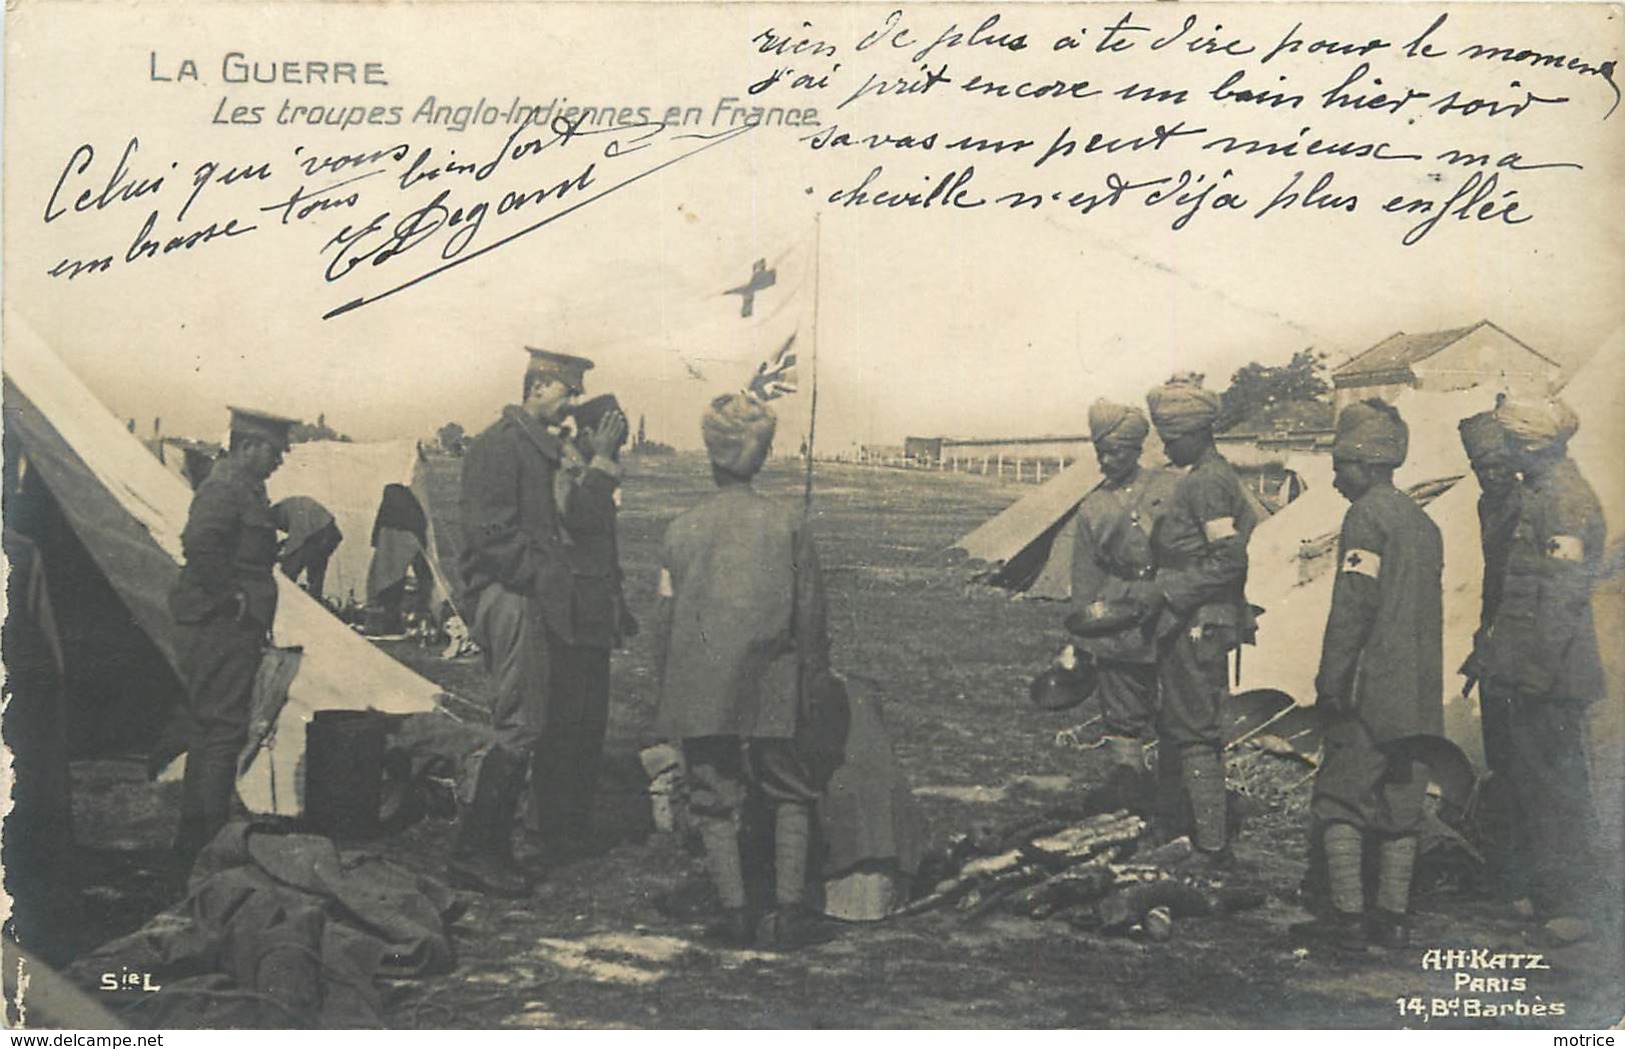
267	427
564	367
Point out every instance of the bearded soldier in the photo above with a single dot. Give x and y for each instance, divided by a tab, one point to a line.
1198	598
1542	652
1113	549
1378	683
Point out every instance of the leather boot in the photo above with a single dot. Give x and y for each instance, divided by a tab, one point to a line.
481	856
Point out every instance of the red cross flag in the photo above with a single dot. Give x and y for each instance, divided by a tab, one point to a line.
704	305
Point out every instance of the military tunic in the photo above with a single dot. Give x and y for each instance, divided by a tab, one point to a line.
225	603
1542	653
1112	549
1543	642
747	609
519	577
1199	547
746	624
1381	662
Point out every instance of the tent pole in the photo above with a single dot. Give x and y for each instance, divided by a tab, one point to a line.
812	409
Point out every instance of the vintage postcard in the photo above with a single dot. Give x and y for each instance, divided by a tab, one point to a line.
633	515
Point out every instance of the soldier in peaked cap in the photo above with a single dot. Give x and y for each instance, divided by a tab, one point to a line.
521	485
1198	599
225	603
1380	666
1542	652
1112	548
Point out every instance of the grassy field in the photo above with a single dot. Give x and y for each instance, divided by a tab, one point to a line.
951	664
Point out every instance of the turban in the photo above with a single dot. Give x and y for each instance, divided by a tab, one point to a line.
738	430
1482	436
1117	424
1181	406
1371	431
1539	424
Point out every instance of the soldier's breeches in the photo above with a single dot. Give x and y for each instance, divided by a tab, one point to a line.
221	658
1128	698
1191	685
513	644
1357	785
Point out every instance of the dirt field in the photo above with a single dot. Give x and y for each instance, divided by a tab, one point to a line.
951	665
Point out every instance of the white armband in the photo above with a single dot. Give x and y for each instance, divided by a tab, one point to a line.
1362	562
1219	528
1566	548
664	588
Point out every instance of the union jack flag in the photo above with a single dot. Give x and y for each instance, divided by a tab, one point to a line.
776	376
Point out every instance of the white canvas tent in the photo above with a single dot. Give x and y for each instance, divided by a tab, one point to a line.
1028	546
1291	575
351	481
128	510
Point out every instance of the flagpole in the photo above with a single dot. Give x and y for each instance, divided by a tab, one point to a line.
812	410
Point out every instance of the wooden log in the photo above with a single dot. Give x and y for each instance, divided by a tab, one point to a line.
954	889
1079	842
1084	883
1054	821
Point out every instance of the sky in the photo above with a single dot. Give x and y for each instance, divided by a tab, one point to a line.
982	322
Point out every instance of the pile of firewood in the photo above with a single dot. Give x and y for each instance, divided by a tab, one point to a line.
1094	872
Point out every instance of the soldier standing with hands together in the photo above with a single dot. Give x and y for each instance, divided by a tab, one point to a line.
1380	667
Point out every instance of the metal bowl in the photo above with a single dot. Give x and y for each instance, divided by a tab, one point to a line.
1104	618
1060	689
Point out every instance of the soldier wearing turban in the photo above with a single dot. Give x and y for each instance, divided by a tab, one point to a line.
1542	651
1489	451
744	624
1112	549
1197	596
1538	425
1378	683
1181	407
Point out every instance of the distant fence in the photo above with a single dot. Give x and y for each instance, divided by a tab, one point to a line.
1270	481
1030	469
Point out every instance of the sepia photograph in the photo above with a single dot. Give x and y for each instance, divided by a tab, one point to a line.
866	515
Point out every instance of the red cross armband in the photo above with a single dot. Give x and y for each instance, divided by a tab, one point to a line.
1566	548
1361	562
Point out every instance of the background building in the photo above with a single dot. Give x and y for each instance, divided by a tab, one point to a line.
1481	354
